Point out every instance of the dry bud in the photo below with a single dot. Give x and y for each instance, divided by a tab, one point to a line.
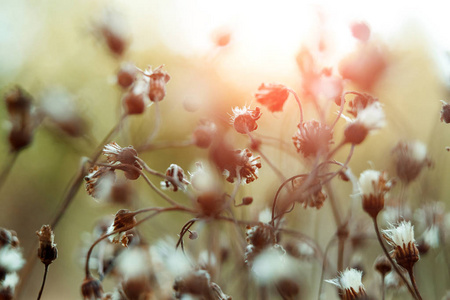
410	158
211	203
91	289
124	220
308	192
370	118
259	238
126	75
373	187
175	178
312	137
157	83
124	159
382	265
204	133
47	251
99	181
244	119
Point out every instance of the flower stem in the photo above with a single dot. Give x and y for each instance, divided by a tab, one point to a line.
394	265
298	102
8	167
43	282
413	281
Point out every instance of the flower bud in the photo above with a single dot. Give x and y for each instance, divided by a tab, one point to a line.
47	251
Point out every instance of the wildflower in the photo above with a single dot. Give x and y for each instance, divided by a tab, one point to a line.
259	237
204	133
273	265
11	260
124	159
373	188
202	179
157	83
368	119
175	178
134	100
308	191
99	181
410	158
126	74
18	103
359	103
312	137
382	265
401	238
349	284
245	166
244	119
47	251
272	95
211	203
113	31
133	263
124	220
91	289
8	285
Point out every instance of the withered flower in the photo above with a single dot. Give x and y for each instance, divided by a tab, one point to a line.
373	186
244	119
272	95
349	284
124	219
401	238
47	251
312	137
157	83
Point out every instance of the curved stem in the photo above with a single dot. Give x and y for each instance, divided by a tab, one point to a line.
324	265
161	194
43	282
341	109
394	265
298	102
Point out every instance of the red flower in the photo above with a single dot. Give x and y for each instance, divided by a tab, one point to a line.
272	96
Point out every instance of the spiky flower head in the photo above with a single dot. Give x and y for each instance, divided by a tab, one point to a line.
401	238
244	119
373	188
312	137
349	284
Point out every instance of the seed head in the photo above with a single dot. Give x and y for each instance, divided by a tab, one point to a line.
126	75
312	137
124	219
157	83
244	119
373	188
368	119
175	179
349	284
47	251
382	265
410	158
135	98
259	238
204	133
401	238
91	289
272	95
124	159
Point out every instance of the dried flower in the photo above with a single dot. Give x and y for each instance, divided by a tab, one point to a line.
259	237
308	191
113	31
368	119
125	220
47	251
11	260
349	284
124	159
445	112
401	238
410	158
175	178
99	181
312	138
135	99
272	95
360	102
157	83
198	284
91	289
211	203
244	119
245	166
8	285
383	265
126	75
373	188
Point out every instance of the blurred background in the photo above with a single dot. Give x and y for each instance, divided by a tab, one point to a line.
217	55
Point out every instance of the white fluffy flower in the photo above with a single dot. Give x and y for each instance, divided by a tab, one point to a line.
273	264
372	117
431	236
368	180
265	216
134	262
349	280
11	259
418	151
10	282
400	235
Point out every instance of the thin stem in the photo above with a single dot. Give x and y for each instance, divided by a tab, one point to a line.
43	282
324	265
298	102
341	110
413	281
394	265
157	123
8	167
161	194
383	292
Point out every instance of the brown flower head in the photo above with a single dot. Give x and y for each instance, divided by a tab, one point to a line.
204	133
245	166
349	284
211	203
157	83
272	95
113	31
91	289
373	186
312	137
197	284
359	103
123	157
175	178
124	221
134	100
47	251
126	75
99	181
244	119
401	238
410	158
259	238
